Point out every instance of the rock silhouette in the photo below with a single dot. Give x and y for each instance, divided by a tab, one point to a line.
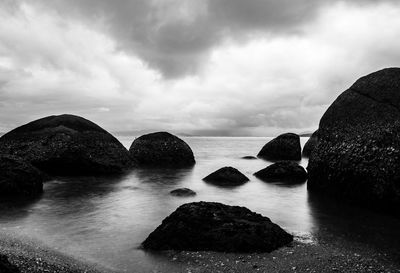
358	151
67	145
19	178
226	176
161	149
310	144
216	227
283	147
283	171
183	192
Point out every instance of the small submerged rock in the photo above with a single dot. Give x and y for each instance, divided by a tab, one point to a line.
249	157
161	149
182	192
209	226
226	176
19	178
6	266
283	171
284	147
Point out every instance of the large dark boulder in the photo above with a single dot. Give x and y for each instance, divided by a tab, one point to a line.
284	147
6	266
357	157
283	171
310	144
216	227
161	149
19	178
226	176
66	145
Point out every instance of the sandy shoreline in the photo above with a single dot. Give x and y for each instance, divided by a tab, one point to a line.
30	256
300	256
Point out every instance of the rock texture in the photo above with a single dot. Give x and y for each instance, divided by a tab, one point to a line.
283	171
6	266
182	192
19	178
226	176
216	227
284	147
310	144
161	149
357	157
66	145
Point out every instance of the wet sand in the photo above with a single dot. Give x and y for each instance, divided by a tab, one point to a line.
32	257
316	256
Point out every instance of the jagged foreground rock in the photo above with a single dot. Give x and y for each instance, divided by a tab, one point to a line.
357	157
66	145
283	171
310	144
283	147
226	176
19	178
161	149
216	227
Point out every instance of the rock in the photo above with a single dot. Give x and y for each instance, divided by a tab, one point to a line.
183	192
19	178
249	157
6	266
283	171
207	226
66	145
284	147
161	149
226	176
357	157
310	144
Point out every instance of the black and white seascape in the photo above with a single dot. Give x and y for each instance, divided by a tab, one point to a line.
199	136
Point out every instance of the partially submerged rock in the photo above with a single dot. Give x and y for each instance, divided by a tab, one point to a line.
19	178
249	157
357	157
284	147
182	192
6	266
66	145
310	144
283	171
207	226
226	176
161	149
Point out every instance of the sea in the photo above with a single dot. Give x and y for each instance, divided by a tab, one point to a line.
104	219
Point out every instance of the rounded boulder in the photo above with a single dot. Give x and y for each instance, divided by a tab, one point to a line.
283	171
67	145
161	149
208	226
283	147
357	157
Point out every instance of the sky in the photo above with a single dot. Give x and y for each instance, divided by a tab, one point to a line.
196	67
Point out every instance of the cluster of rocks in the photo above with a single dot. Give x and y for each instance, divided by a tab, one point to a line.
354	155
68	145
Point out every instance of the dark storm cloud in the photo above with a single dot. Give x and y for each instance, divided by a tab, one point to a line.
174	36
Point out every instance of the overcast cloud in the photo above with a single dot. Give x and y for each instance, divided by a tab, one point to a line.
221	67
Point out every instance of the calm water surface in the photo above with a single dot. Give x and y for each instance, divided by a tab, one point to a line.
104	220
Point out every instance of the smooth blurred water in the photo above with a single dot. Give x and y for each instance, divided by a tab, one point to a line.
105	219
